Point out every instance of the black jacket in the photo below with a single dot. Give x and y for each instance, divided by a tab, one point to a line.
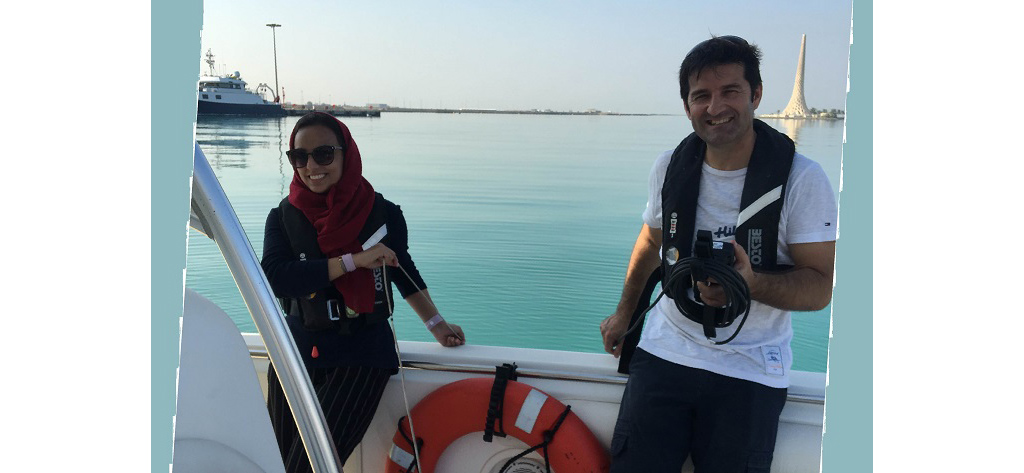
291	278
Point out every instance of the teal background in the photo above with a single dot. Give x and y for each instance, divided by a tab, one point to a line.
847	445
175	45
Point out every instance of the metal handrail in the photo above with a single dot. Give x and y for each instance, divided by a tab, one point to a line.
214	217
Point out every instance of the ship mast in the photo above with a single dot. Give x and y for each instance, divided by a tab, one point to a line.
209	60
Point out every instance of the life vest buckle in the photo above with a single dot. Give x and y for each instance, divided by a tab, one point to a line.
333	310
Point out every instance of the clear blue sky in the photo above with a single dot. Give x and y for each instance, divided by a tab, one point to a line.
567	55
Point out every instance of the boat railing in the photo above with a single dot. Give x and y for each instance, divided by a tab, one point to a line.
213	215
805	387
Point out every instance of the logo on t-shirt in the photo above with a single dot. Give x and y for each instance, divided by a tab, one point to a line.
772	360
726	231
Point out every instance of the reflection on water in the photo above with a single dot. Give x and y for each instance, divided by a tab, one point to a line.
281	159
792	126
227	141
521	225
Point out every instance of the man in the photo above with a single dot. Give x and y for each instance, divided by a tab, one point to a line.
736	177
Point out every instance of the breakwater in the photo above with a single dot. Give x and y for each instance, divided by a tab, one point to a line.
510	112
336	110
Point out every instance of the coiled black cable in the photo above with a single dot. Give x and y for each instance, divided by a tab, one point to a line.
693	268
737	294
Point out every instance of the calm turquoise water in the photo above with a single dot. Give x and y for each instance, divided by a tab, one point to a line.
522	225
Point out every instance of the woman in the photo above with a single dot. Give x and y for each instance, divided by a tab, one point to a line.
324	254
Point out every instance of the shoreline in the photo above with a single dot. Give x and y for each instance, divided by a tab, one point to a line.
786	117
514	112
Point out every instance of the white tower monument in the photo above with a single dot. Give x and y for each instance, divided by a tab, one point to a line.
797	106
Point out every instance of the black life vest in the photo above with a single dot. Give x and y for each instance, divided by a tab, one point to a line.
325	309
764	190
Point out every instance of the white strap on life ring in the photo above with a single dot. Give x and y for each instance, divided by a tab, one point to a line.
401	457
530	410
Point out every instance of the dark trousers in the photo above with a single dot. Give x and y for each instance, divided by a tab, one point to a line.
348	396
670	411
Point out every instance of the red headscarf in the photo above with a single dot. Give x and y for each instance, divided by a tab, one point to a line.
338	215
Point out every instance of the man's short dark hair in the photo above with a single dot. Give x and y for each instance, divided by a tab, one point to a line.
717	51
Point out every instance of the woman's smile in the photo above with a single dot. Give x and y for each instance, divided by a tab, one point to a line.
319	178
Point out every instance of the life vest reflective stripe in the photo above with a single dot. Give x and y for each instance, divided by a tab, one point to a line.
460	408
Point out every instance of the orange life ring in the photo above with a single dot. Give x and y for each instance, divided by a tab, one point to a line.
460	408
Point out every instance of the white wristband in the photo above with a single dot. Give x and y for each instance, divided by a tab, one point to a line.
433	321
346	259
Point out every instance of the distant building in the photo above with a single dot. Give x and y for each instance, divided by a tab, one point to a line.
377	106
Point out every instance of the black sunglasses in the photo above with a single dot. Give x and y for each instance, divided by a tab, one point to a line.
323	155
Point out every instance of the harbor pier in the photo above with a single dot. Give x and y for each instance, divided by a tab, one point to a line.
336	110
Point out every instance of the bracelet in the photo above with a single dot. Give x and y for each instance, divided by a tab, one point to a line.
346	261
436	319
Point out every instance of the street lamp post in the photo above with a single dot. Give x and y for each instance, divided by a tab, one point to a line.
277	93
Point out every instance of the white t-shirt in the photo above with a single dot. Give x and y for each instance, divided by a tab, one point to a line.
761	352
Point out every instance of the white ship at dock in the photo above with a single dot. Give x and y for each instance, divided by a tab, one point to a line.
228	95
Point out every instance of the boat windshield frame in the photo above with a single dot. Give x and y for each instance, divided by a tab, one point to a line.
213	216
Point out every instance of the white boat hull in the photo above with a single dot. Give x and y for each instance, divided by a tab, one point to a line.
595	401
